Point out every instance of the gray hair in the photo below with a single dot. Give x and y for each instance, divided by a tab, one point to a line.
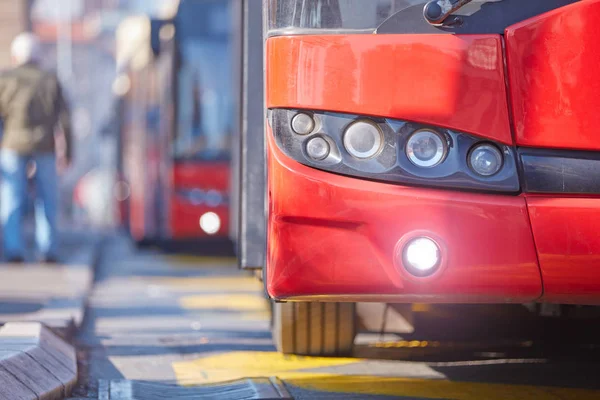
25	48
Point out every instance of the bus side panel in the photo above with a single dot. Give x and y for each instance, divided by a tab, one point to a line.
252	218
553	70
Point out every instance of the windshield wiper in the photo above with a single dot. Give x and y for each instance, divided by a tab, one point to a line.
437	11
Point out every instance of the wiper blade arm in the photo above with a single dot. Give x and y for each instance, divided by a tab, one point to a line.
437	11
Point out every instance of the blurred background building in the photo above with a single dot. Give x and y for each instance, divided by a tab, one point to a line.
14	18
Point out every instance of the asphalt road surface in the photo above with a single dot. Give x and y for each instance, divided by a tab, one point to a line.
162	326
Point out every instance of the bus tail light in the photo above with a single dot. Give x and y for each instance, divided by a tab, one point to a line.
395	151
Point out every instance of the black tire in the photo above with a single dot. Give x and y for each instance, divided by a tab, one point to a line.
314	329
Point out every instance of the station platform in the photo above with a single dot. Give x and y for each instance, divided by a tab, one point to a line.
163	326
52	294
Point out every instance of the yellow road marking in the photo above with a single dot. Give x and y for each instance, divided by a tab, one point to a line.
302	372
437	389
200	261
419	307
405	344
216	283
233	302
238	365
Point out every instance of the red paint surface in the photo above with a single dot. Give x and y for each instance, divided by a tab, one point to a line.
201	174
185	216
451	81
554	70
568	241
333	235
185	219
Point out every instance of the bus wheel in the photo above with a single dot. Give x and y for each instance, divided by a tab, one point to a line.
314	329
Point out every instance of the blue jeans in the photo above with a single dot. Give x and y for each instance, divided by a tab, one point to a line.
13	200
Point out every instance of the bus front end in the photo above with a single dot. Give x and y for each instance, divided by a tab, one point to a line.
415	160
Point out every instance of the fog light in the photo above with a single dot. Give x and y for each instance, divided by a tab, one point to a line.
486	160
303	124
421	256
426	148
363	139
317	148
210	223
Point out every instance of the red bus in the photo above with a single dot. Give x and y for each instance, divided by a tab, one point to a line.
429	152
176	123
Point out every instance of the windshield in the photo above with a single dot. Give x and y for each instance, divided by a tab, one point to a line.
354	16
204	91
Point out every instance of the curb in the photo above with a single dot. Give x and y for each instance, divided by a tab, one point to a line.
251	388
60	293
35	363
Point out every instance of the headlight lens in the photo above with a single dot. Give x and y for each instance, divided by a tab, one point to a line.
210	223
303	124
426	148
363	139
317	148
486	160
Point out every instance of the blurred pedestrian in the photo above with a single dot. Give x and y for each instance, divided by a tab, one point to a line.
31	107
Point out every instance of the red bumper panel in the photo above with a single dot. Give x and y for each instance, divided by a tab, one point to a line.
339	236
567	237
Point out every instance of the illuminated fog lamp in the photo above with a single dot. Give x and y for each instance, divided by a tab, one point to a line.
210	223
421	257
363	139
318	148
303	124
426	148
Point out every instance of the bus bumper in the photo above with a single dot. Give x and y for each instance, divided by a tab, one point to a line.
336	238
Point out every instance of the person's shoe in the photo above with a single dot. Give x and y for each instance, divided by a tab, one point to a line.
15	260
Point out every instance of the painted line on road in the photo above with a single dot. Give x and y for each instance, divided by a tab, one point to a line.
214	283
230	302
349	375
200	261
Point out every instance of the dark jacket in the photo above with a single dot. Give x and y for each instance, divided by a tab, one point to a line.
31	106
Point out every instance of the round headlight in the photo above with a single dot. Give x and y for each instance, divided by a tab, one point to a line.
210	223
486	159
426	148
318	148
421	256
303	124
363	139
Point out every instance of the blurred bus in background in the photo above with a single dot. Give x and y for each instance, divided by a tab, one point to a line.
174	123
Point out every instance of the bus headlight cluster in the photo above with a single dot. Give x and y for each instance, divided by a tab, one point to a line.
396	151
